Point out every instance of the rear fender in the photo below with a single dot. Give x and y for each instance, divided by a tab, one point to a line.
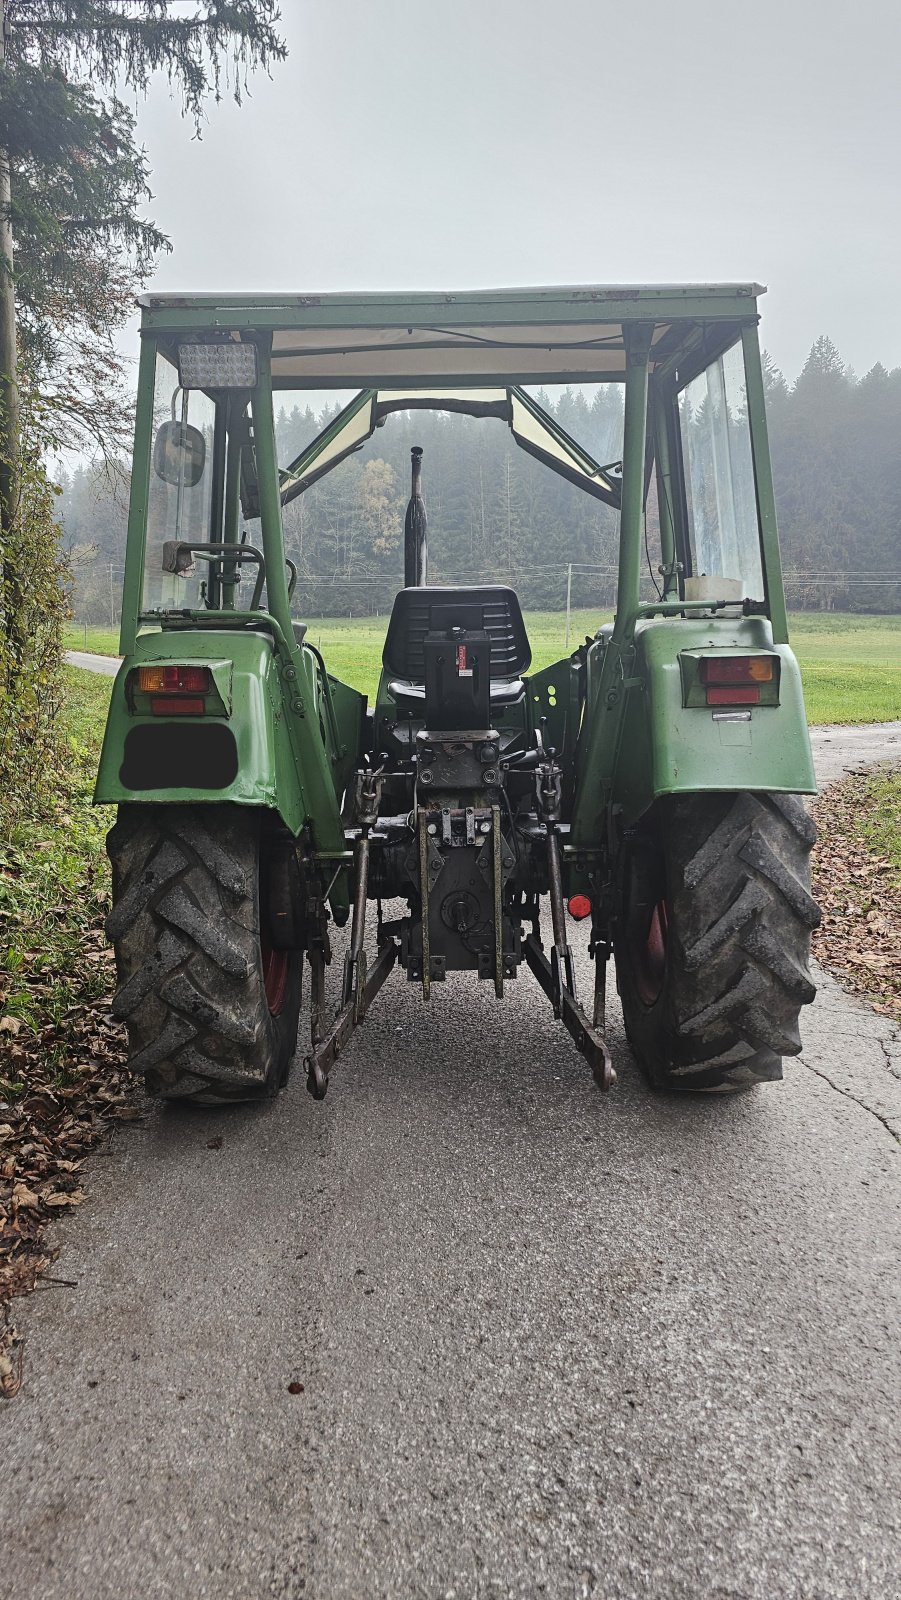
668	747
240	753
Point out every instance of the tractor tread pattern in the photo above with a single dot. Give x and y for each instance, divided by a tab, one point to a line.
760	855
164	868
185	928
797	816
741	913
227	871
750	983
749	963
169	954
752	897
180	911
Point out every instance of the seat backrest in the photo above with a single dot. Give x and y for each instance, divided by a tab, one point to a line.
491	608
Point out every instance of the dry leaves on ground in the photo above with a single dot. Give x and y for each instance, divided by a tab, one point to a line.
859	891
61	1090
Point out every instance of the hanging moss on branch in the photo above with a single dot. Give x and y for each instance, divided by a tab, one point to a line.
215	48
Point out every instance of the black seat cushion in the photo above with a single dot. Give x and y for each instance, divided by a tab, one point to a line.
490	607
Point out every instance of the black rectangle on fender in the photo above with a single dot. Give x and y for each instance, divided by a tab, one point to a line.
179	756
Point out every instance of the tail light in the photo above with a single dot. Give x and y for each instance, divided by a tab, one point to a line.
735	680
174	680
175	691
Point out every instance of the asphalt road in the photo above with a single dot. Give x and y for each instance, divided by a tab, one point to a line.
108	666
551	1343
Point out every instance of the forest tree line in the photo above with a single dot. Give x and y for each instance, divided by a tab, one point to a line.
496	513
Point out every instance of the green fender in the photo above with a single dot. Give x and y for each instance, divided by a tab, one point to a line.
274	765
661	738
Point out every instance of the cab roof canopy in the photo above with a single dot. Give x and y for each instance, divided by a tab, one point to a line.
475	336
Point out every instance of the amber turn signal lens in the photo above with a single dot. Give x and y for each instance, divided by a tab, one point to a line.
174	680
579	906
737	669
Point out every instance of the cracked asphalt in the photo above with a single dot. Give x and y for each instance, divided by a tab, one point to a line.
550	1342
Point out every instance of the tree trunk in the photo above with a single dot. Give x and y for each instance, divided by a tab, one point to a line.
10	620
9	389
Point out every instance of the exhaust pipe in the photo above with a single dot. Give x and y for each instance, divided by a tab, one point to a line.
416	528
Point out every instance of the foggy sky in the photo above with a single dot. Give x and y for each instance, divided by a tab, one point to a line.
485	143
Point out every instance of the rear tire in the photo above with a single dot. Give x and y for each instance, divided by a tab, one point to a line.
713	938
210	1006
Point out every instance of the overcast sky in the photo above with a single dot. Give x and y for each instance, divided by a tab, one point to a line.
483	143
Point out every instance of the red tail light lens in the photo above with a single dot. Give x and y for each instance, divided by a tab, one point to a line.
738	695
175	680
182	705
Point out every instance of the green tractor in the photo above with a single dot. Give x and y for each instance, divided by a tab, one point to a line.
651	780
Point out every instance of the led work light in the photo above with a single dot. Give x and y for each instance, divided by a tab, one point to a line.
223	365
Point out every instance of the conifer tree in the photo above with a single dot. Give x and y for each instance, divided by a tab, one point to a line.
74	245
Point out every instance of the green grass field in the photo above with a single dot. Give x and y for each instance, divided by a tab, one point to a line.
851	664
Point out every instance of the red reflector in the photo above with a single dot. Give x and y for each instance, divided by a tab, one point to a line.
174	679
579	906
737	695
164	705
737	669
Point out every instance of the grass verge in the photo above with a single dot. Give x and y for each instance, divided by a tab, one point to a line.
857	880
851	664
96	641
61	1077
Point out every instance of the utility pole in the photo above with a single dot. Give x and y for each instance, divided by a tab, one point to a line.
9	389
569	595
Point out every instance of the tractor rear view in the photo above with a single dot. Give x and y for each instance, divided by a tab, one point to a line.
649	782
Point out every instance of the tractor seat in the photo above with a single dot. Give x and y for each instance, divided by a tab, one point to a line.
491	610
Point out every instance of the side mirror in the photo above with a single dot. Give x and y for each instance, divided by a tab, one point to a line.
179	454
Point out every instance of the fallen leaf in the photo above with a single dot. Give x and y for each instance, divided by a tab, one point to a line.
859	890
